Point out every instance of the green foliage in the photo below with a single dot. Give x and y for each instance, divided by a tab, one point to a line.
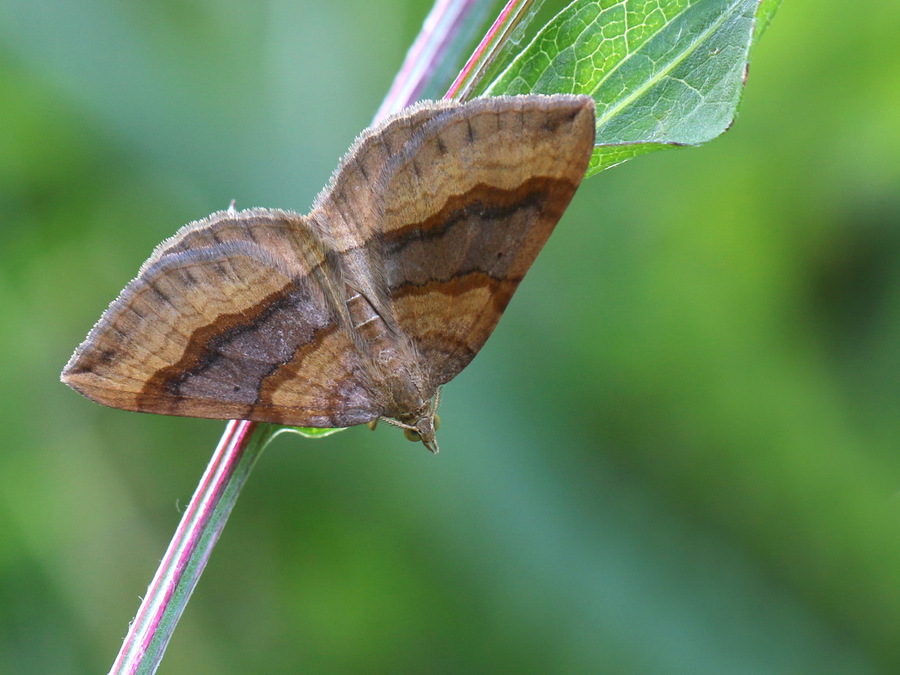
666	72
308	432
764	16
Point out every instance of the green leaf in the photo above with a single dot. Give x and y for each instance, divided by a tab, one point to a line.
307	432
764	16
663	72
606	156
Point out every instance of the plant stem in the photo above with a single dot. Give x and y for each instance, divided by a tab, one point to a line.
487	50
243	442
190	548
440	29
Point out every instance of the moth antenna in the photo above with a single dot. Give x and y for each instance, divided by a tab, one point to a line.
436	401
393	422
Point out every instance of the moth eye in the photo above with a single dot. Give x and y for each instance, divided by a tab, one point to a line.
412	435
437	422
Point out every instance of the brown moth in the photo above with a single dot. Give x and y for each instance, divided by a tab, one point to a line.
362	309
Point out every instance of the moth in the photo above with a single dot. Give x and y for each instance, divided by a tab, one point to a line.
362	309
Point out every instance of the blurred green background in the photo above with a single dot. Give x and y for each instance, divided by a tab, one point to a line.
679	452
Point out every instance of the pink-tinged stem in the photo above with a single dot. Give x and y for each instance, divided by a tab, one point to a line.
242	442
440	29
509	19
190	548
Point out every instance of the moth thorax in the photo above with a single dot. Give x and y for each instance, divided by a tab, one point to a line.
406	396
363	317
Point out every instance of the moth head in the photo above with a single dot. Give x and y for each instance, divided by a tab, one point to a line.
423	430
425	427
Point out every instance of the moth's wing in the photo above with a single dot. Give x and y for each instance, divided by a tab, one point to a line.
465	196
235	317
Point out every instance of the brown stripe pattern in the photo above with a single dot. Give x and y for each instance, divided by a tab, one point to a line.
385	291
